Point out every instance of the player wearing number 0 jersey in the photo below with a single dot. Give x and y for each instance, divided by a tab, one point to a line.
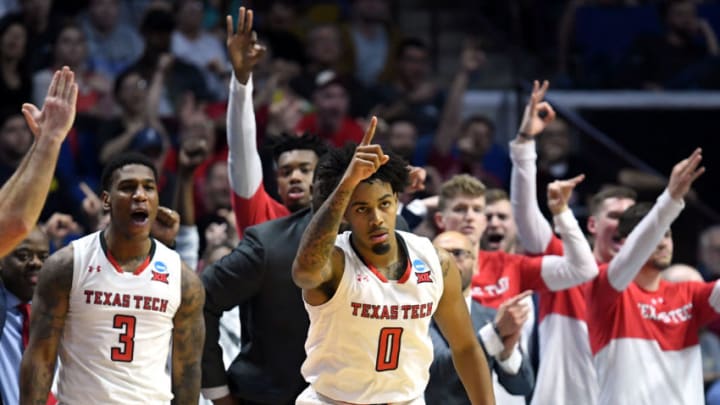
372	323
130	315
372	292
113	304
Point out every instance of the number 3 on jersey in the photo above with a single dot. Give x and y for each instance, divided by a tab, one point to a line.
126	338
388	349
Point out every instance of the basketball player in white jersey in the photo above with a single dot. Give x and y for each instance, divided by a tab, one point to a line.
110	305
371	292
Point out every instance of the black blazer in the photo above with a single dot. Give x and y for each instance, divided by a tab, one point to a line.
445	387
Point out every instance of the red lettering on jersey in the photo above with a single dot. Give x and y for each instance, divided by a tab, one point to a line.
376	312
98	298
405	309
138	299
393	312
429	307
88	296
107	298
415	312
146	303
155	302
126	300
355	306
385	313
163	305
365	309
117	301
423	277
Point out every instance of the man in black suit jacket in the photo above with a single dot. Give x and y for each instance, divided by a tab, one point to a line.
498	332
256	275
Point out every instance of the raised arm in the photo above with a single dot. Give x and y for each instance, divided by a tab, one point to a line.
644	238
453	319
317	262
47	320
578	263
188	338
471	59
23	196
534	231
244	165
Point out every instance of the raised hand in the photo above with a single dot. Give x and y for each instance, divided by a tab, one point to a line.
559	192
684	174
538	113
472	58
58	111
243	49
59	226
193	152
166	226
91	204
367	159
417	179
512	314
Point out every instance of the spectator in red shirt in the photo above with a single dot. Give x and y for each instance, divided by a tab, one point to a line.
330	120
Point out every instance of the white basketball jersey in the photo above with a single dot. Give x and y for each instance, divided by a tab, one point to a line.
369	343
118	329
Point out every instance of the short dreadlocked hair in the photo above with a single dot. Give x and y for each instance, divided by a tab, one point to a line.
332	166
286	142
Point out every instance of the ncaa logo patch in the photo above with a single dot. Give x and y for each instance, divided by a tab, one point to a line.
160	273
419	265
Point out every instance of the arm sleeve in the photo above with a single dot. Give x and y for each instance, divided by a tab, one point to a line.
642	241
534	231
244	167
187	245
519	382
577	265
228	282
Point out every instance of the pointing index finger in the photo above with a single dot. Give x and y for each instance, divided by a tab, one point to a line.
370	133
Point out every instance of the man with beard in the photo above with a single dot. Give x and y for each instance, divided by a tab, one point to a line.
371	288
510	367
294	157
18	277
644	331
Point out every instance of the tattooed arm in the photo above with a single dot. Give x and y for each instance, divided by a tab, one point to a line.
318	267
453	318
188	338
49	309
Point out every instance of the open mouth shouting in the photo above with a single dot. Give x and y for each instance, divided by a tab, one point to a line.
140	216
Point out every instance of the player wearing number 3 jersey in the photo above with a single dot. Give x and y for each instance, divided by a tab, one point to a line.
113	304
371	292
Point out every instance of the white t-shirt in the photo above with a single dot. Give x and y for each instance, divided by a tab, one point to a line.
369	343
